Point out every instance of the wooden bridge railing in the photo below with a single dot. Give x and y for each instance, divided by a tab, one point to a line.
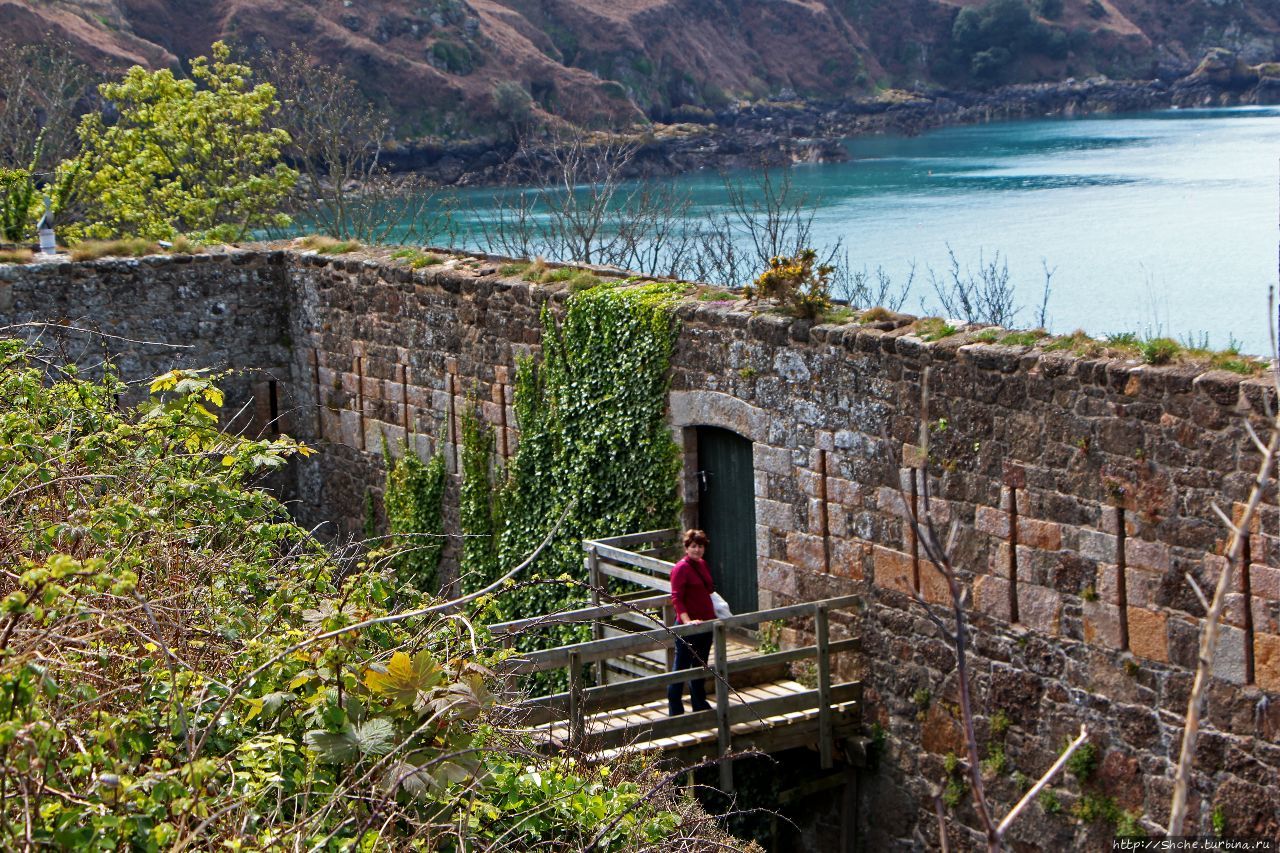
574	705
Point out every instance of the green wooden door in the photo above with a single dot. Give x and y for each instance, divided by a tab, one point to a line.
727	512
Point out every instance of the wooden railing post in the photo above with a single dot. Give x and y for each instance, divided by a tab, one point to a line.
722	706
669	619
597	630
826	746
576	714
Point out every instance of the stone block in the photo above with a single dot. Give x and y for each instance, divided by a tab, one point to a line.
1266	651
991	596
842	491
1148	634
891	569
808	482
774	460
1152	556
992	521
806	551
1264	582
1228	657
778	577
1040	608
847	556
349	431
1101	624
1041	535
1095	545
774	514
815	515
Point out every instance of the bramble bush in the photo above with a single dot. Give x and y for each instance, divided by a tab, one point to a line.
181	667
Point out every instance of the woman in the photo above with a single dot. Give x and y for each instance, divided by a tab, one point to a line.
691	588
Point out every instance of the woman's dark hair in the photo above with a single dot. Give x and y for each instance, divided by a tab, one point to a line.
694	536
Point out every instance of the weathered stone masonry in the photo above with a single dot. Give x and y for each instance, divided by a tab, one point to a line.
1091	454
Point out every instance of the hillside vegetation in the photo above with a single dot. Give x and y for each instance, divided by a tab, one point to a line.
181	667
440	65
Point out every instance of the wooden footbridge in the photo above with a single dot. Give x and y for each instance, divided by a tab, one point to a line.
616	701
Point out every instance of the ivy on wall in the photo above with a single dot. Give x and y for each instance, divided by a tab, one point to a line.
480	504
412	499
593	432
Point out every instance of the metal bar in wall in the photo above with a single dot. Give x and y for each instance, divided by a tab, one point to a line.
502	416
824	521
1122	579
360	396
315	384
915	533
404	399
1013	554
453	427
1246	592
273	401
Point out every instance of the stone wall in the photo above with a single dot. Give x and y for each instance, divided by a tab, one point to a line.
1091	453
158	313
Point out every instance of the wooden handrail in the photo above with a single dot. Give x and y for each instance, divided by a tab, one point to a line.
631	558
632	538
542	709
584	614
595	650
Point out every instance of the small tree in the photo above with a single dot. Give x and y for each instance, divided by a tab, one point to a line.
184	156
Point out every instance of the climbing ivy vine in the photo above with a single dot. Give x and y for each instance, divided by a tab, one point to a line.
593	432
412	499
480	504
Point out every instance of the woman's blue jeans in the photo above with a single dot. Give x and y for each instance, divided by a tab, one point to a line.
691	650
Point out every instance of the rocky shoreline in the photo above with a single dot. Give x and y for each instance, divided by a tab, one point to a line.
780	133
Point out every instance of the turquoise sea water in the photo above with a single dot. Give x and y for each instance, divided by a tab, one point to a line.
1157	223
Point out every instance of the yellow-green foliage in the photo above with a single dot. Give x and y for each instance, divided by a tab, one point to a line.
136	247
191	155
15	256
326	245
798	282
416	259
934	328
181	666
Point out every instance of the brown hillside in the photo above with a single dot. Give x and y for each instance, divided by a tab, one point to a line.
435	63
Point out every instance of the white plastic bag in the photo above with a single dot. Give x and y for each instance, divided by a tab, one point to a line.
720	605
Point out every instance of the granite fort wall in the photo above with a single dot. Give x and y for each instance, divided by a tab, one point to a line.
1107	464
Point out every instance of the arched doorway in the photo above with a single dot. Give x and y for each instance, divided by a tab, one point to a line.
727	512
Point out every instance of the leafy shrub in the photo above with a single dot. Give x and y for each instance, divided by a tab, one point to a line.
1049	802
996	763
1096	808
1083	762
798	282
184	156
189	665
1159	350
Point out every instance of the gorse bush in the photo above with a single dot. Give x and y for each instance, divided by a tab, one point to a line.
181	667
799	282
